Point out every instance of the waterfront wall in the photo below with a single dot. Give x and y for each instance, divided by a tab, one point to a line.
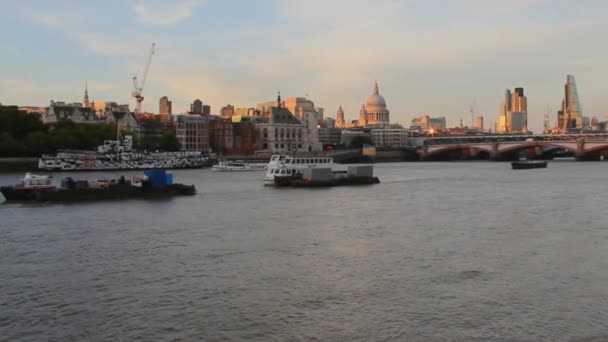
18	164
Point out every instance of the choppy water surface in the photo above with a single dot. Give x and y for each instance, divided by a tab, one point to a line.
437	252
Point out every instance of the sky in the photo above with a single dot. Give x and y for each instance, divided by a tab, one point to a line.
430	57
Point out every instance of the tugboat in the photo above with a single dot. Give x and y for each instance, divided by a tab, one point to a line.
154	184
28	187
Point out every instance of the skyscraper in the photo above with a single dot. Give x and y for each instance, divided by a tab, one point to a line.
164	106
227	111
479	123
570	116
513	114
196	107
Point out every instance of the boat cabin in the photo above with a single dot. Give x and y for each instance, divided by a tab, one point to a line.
36	181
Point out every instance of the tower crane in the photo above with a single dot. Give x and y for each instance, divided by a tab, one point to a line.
472	111
139	84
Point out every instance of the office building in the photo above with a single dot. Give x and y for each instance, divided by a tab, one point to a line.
164	106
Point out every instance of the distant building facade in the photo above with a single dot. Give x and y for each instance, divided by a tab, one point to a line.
192	132
227	111
479	123
165	106
426	123
571	114
390	137
513	113
221	136
196	107
74	112
206	110
330	136
284	132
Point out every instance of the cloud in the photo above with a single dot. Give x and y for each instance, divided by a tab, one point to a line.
104	45
45	19
154	13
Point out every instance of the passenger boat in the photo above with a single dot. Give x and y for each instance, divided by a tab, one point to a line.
284	165
529	164
291	171
154	184
238	165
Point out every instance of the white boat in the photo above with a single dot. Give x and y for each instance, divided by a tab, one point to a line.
238	165
283	166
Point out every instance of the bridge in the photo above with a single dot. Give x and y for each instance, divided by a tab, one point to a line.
511	147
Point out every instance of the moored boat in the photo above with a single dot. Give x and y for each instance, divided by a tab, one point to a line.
28	187
154	184
238	165
116	155
529	164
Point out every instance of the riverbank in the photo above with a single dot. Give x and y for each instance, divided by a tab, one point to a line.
18	164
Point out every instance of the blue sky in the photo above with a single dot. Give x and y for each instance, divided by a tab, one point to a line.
432	57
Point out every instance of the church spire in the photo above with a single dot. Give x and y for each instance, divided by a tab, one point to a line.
376	90
86	102
279	100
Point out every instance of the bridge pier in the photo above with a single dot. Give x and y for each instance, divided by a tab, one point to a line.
582	155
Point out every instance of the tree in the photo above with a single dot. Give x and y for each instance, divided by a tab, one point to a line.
9	147
359	141
169	142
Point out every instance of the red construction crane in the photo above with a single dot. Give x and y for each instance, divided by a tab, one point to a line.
139	85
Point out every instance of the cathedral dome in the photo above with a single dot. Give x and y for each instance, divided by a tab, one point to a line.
375	100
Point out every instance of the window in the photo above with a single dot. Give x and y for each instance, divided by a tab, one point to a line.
276	145
282	145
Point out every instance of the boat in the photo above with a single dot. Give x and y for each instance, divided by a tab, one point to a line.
238	165
529	164
28	187
115	155
292	171
284	165
154	184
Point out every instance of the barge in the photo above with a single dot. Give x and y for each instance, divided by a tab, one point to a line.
529	164
38	188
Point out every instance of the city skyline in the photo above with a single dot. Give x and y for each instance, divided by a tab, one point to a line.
431	58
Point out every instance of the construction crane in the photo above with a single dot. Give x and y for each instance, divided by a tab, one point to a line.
472	111
139	84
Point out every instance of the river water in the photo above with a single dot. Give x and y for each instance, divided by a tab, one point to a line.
436	252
